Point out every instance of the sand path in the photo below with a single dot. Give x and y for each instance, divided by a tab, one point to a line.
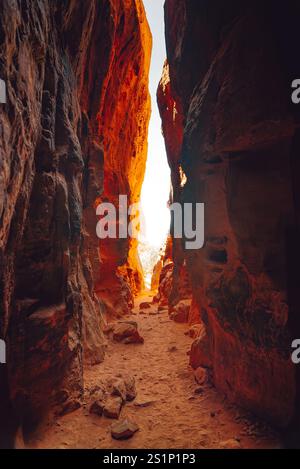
167	410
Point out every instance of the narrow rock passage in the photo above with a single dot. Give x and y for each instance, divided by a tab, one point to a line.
167	410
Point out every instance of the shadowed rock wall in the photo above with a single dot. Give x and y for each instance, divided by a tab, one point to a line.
73	128
232	139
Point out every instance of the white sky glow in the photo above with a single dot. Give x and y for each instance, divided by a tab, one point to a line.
156	186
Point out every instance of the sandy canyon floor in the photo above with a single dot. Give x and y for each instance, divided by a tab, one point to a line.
167	410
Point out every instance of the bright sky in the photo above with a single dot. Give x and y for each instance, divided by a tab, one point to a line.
156	187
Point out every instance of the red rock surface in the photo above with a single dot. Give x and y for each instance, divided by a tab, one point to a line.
231	86
72	131
174	283
122	124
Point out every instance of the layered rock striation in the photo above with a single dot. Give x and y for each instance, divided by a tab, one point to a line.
232	140
73	131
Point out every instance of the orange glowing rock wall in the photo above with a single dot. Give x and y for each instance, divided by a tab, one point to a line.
122	113
235	137
73	130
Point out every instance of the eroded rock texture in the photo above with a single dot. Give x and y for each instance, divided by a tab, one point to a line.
73	128
125	111
232	139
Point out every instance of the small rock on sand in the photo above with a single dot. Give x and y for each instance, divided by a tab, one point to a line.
97	408
230	444
123	430
145	305
130	388
112	407
127	332
172	348
118	388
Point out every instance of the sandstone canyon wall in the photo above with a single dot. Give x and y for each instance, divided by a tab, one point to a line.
72	131
232	138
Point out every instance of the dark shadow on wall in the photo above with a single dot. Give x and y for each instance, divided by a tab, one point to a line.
292	438
8	422
285	22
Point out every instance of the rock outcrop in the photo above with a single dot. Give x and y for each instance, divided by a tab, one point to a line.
174	283
73	131
232	140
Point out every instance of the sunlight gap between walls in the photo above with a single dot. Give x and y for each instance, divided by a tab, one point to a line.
156	185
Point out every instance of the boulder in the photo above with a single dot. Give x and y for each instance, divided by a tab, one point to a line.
130	388
127	332
180	312
112	407
117	388
123	430
97	408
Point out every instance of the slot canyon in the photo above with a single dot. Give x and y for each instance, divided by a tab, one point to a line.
95	359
